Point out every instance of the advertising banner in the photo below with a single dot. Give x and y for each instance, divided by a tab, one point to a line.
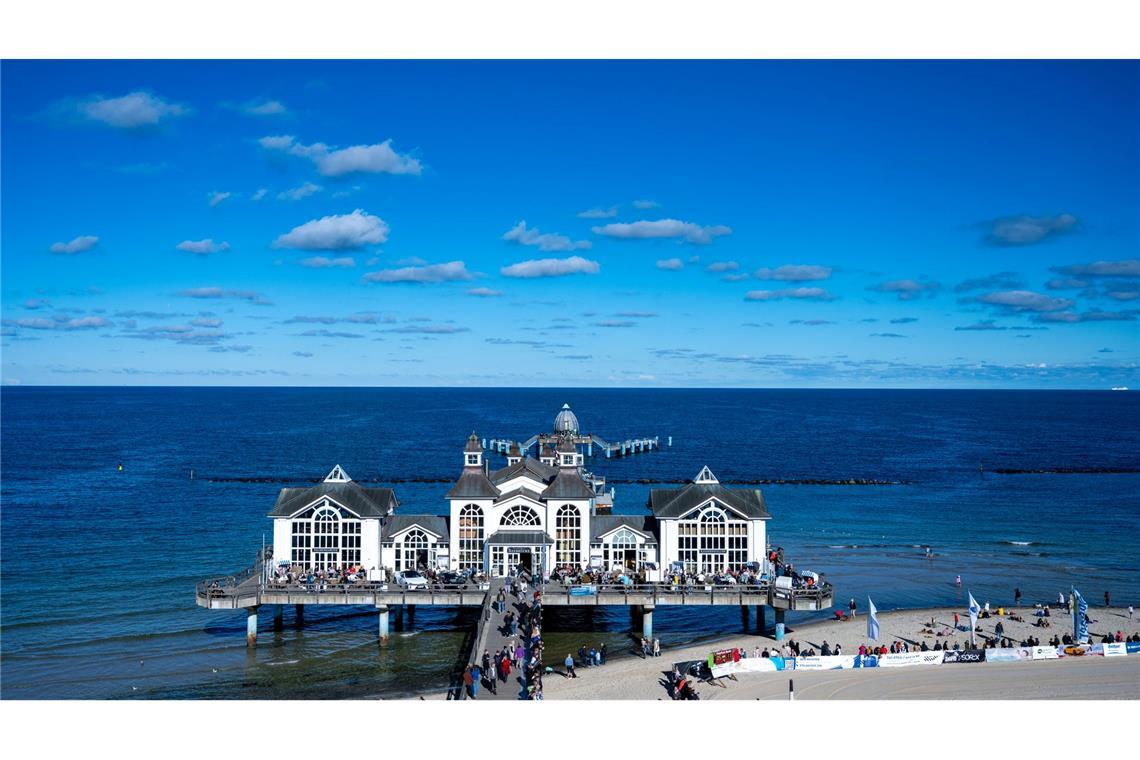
1043	653
1133	647
1011	654
866	661
964	655
1115	649
834	662
583	590
906	659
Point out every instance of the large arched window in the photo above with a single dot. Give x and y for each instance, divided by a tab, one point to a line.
622	549
568	532
325	537
413	551
520	515
471	537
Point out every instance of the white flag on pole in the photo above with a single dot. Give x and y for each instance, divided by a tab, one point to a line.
872	621
974	610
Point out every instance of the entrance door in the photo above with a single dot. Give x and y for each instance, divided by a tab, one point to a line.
421	558
323	560
630	559
713	563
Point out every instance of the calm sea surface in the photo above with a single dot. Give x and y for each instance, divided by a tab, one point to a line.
98	567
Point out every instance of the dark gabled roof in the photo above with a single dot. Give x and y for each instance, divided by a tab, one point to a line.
472	484
568	484
473	444
520	491
525	466
520	538
435	523
676	502
366	502
603	524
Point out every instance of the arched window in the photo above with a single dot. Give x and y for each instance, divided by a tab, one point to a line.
713	543
325	537
520	515
471	537
568	532
622	549
415	550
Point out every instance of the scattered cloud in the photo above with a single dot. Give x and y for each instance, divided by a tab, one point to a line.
887	335
202	247
810	322
1023	301
1072	317
359	318
206	322
217	197
551	268
903	320
814	294
599	213
264	107
717	267
1124	268
615	323
323	333
549	242
981	326
302	354
794	273
322	262
135	110
259	194
663	228
908	290
645	205
637	314
737	277
336	233
224	293
357	159
1000	281
484	292
58	322
1027	230
670	265
76	245
36	303
429	273
429	329
297	193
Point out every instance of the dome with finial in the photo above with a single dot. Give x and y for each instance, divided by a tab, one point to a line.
566	421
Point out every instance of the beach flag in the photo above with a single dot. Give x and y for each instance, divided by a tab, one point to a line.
872	621
1080	616
974	610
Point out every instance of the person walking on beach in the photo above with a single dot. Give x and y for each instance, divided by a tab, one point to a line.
1017	597
851	606
569	663
469	682
602	649
476	675
1130	611
657	647
955	621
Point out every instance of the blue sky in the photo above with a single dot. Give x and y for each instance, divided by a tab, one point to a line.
831	224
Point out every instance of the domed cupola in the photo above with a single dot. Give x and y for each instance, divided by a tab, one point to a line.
566	423
473	452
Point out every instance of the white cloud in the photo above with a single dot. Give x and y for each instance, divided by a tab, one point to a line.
484	292
215	292
670	264
908	290
297	193
202	247
76	245
321	262
551	267
369	159
1124	268
663	228
1027	230
131	111
336	233
598	213
206	322
451	271
722	266
645	205
261	193
58	322
814	294
1024	300
216	197
549	242
261	107
794	273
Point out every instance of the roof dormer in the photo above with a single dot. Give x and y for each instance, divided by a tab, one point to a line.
338	475
567	454
705	477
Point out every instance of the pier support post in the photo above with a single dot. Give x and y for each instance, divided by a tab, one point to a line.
590	449
760	619
647	621
779	624
745	616
670	440
383	622
278	617
299	614
251	626
411	615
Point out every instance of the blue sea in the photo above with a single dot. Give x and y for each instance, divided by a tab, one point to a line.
98	566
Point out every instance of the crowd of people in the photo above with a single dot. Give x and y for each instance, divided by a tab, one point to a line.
522	654
318	579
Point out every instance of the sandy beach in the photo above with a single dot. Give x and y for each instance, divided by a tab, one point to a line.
1068	678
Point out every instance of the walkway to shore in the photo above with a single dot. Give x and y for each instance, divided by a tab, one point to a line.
498	637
